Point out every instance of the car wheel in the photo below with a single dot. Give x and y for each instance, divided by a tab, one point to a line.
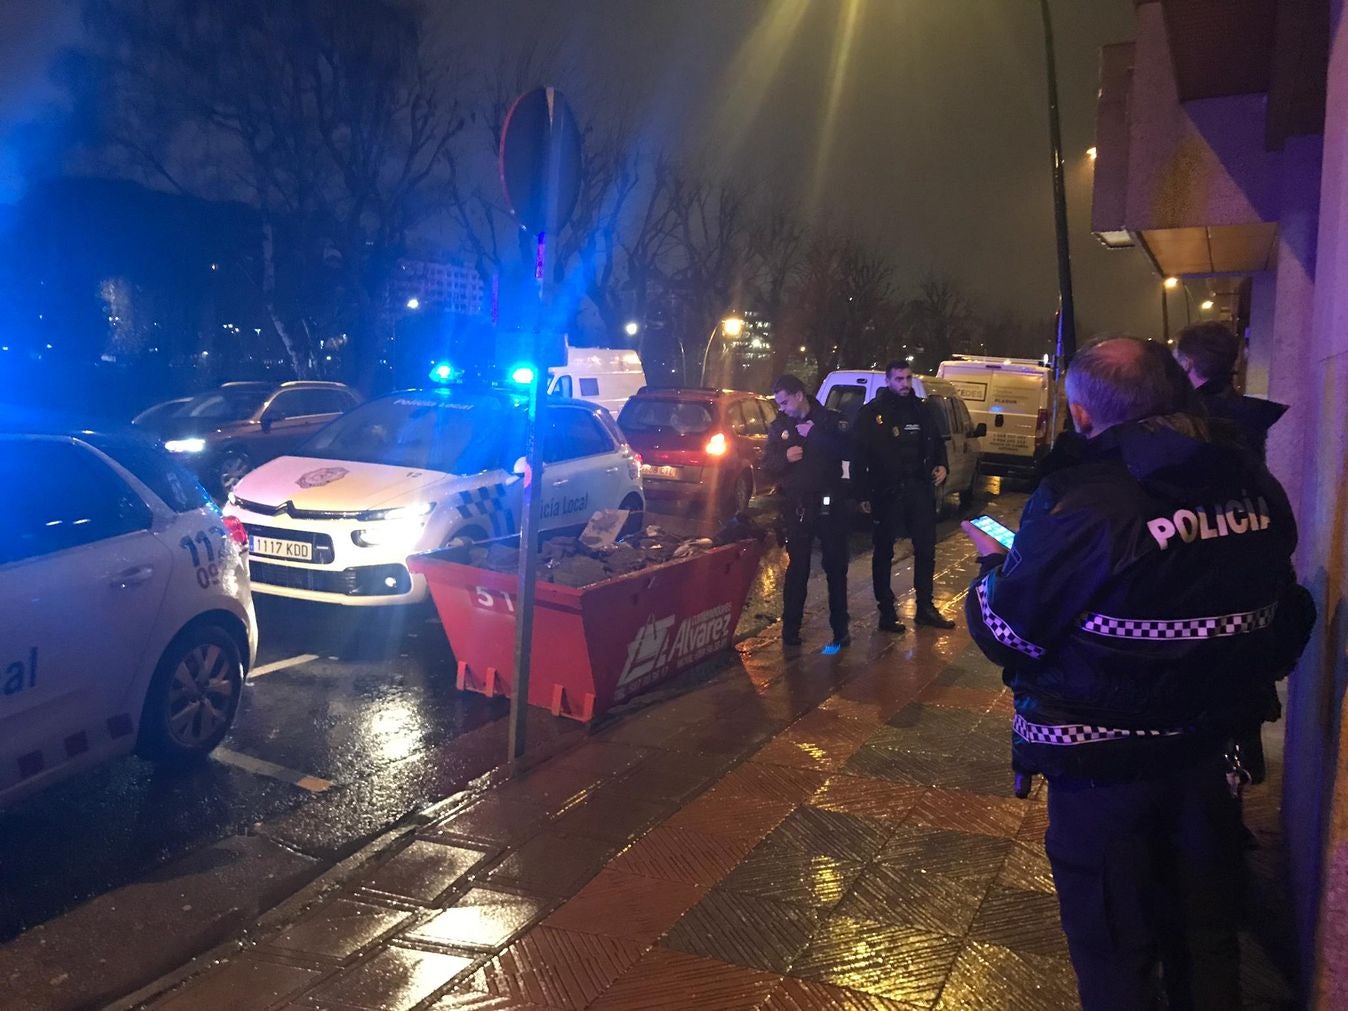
233	465
637	514
741	494
193	696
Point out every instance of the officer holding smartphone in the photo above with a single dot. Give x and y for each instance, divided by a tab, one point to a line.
807	444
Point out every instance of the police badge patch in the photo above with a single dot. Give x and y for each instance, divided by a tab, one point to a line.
324	475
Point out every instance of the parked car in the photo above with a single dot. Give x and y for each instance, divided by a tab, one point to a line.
224	433
846	391
156	413
700	444
1013	398
126	621
415	471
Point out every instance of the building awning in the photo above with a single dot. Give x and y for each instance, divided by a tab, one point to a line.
1205	251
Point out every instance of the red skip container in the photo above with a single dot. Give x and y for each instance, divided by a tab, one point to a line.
598	645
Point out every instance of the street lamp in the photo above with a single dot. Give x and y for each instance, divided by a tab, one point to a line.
731	326
1172	283
632	328
1207	305
414	303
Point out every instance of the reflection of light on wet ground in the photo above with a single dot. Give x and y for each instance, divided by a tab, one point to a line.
393	730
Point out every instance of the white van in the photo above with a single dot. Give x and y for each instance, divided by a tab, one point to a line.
606	376
1012	396
846	391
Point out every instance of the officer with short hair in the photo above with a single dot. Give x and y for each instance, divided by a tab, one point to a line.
898	462
807	444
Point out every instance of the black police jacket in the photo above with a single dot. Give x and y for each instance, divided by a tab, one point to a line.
1249	418
819	471
1146	606
895	442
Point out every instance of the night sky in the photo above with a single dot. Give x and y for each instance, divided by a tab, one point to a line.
921	124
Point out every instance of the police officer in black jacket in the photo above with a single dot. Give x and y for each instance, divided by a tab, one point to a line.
807	444
1145	608
898	462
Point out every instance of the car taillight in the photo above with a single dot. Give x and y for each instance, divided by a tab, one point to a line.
717	445
234	527
1041	428
637	457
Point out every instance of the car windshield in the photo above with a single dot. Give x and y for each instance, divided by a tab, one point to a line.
168	409
224	405
426	432
685	417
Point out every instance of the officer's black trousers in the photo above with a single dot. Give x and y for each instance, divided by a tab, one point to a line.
911	509
802	527
1149	881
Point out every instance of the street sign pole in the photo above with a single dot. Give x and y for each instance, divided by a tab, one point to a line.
1067	321
540	172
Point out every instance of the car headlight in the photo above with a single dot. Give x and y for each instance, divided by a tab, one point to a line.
185	445
409	512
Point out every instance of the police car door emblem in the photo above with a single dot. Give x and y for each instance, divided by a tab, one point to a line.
324	475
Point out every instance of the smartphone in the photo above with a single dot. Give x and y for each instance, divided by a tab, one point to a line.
1003	535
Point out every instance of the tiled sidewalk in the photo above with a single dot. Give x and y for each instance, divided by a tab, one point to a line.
810	832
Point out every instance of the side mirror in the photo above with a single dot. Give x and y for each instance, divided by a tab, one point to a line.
979	430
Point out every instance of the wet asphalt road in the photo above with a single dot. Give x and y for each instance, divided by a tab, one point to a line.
350	722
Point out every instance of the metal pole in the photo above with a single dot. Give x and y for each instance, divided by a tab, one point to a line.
702	379
528	571
1165	313
1067	328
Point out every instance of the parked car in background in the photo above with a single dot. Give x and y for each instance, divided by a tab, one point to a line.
156	413
126	620
1013	397
415	471
846	391
224	433
700	444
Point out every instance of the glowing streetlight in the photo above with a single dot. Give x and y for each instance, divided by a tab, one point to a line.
1207	305
1091	153
414	303
731	326
632	328
1171	282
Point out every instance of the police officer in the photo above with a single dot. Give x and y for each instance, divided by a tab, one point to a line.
898	462
806	447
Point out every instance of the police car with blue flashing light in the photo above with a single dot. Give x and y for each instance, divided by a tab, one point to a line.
126	621
414	471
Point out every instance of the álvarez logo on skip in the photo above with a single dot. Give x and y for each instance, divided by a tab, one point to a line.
658	645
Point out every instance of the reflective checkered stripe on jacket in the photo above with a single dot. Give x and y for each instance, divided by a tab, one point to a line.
57	752
1178	628
1078	733
488	503
1002	631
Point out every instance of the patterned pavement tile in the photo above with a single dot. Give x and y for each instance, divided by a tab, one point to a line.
992	777
1027	869
744	930
425	870
672	981
813	753
558	968
814	831
978	700
551	786
868	711
909	768
970	812
771	782
877	799
719	813
607	814
338	928
676	854
1026	922
907	897
553	864
789	876
396	979
468	999
924	719
1035	825
802	995
934	851
670	777
618	904
988	978
898	963
835	721
483	918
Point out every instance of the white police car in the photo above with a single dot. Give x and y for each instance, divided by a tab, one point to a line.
126	621
412	471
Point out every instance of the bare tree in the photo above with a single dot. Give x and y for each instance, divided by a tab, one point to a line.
938	321
329	119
